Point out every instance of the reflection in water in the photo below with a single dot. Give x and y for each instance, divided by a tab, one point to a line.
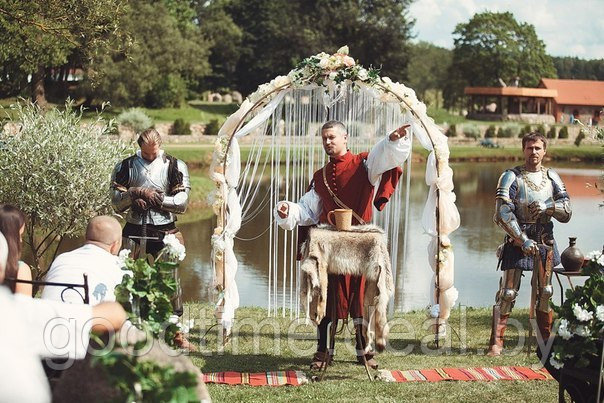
474	242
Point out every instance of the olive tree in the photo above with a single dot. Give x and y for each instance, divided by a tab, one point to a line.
57	170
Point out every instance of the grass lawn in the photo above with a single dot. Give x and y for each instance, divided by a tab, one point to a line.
200	155
441	116
587	153
262	344
192	111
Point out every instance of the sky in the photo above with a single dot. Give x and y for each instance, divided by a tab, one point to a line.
567	27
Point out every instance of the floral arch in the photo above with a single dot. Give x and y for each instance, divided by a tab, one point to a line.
280	122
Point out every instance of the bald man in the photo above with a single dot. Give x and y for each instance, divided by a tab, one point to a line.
27	343
97	258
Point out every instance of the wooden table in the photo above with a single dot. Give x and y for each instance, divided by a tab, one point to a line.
559	271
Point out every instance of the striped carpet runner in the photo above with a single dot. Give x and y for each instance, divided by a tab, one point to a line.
466	374
273	378
297	378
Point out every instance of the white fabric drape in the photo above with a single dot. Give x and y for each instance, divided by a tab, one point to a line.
288	115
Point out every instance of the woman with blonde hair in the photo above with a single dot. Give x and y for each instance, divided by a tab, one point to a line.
12	226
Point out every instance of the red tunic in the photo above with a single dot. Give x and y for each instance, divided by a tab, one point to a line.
347	177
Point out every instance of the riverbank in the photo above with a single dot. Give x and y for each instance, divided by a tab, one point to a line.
263	344
199	157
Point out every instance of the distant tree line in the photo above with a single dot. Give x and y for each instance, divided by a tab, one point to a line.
579	69
158	53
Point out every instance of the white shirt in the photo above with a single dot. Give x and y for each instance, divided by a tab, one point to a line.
102	268
33	329
384	156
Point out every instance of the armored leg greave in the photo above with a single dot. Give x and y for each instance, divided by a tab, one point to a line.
504	302
544	283
508	291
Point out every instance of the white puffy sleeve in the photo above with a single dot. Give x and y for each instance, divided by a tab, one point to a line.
386	155
306	212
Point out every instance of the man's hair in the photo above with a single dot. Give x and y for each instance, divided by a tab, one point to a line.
334	124
149	136
534	136
104	229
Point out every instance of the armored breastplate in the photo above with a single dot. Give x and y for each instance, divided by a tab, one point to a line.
532	186
150	175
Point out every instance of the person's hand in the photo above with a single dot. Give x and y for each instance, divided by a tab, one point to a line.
536	209
139	205
530	247
399	133
283	209
156	199
141	193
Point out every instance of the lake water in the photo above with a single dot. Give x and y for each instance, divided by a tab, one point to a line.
474	242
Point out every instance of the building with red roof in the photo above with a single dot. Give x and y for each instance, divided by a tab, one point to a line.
555	100
581	99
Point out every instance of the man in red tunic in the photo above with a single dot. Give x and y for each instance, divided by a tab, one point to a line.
351	178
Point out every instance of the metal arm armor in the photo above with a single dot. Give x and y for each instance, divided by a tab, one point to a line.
120	198
561	202
504	209
178	201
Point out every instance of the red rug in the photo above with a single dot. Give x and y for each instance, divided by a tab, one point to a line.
465	374
297	378
274	378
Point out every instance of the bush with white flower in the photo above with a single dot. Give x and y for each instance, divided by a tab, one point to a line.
147	289
581	325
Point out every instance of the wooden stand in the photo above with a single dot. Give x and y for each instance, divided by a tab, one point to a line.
559	271
332	337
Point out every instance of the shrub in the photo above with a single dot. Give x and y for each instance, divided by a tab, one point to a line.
500	132
509	131
563	133
551	134
526	129
212	128
451	131
168	91
59	174
135	118
471	131
180	127
490	133
541	130
580	137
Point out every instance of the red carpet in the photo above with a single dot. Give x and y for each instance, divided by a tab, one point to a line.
275	378
297	378
466	374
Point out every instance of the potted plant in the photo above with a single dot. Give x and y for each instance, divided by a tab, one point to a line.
577	349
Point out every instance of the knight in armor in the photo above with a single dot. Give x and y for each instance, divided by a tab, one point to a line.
527	199
153	187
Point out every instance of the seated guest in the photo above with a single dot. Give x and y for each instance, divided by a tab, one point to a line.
12	225
97	259
24	339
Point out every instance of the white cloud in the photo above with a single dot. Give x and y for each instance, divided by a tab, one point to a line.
567	28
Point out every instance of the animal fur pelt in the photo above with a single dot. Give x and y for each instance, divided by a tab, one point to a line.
362	251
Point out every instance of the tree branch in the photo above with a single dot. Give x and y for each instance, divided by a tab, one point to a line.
59	31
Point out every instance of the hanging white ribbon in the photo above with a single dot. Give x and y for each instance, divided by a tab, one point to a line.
264	114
